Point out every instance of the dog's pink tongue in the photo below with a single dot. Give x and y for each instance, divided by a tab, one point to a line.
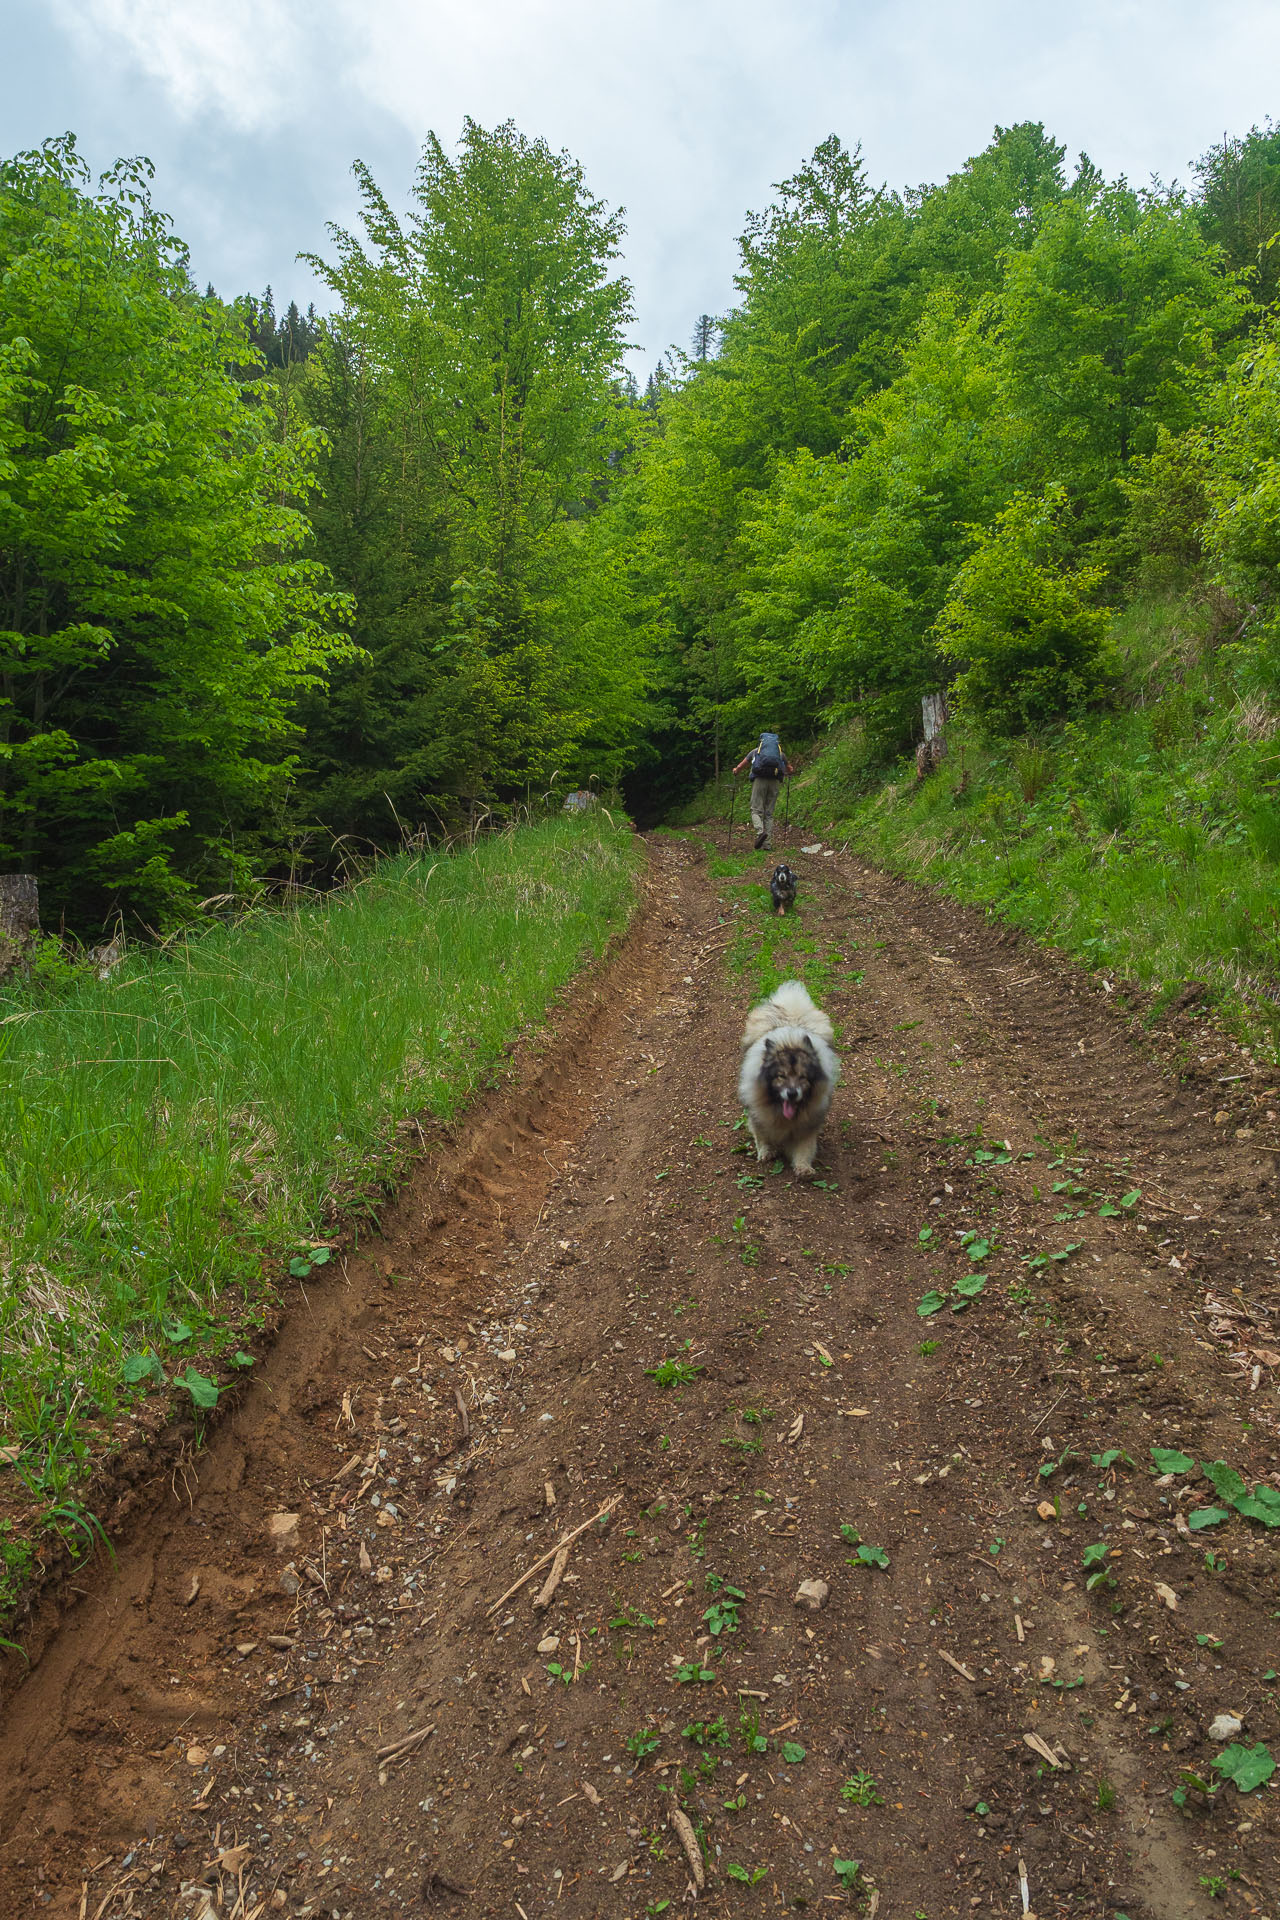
788	1109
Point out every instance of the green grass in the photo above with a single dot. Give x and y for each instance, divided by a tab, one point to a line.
168	1135
1144	840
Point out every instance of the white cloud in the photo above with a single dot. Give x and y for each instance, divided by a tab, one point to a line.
235	58
684	113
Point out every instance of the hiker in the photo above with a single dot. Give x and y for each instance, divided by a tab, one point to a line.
769	768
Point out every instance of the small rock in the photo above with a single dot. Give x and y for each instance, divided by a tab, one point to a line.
507	1353
245	1647
196	1757
812	1594
1046	1510
283	1529
1225	1727
550	1644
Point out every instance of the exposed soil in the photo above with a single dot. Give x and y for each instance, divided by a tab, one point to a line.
211	1730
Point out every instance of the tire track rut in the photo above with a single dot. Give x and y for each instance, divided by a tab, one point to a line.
210	1734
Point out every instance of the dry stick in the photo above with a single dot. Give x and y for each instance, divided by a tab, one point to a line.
406	1745
556	1575
551	1552
1053	1409
951	1661
689	1841
462	1413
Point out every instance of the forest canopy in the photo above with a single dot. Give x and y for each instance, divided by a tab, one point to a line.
275	585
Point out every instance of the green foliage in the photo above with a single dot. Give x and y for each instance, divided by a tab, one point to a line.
1248	1767
1018	624
1239	205
467	389
161	619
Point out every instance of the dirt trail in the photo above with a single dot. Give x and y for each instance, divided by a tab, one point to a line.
215	1729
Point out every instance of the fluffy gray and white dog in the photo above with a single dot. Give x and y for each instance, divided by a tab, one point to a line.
789	1073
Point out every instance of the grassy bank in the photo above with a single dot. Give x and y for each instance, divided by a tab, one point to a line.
172	1134
1145	839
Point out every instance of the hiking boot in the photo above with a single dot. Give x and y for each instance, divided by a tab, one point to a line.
760	842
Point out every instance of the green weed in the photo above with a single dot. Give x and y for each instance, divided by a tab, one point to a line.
861	1790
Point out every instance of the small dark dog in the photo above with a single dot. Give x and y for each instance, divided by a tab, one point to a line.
782	885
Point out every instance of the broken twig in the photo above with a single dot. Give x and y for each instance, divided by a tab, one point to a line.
551	1552
398	1749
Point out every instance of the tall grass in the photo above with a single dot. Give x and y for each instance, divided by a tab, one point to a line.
165	1130
1145	840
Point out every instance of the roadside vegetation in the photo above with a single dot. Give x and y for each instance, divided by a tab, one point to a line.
1144	840
177	1137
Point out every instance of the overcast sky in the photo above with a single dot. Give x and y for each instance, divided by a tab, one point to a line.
253	110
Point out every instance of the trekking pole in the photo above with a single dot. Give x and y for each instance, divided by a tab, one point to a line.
733	801
786	803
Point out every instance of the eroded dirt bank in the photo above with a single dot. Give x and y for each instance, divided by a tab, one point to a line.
297	1691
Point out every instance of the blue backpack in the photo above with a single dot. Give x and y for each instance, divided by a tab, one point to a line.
767	762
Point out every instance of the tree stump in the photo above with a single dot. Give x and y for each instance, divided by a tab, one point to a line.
19	919
932	750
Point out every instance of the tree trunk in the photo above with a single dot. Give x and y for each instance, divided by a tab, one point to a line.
932	750
19	918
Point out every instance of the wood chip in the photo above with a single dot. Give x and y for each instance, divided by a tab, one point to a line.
544	1597
823	1354
795	1429
683	1826
350	1467
195	1588
1042	1747
1168	1595
591	1793
958	1665
232	1860
366	1559
550	1493
1017	1621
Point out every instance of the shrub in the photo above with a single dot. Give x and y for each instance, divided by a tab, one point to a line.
1019	624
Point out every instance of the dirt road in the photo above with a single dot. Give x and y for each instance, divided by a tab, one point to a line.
306	1687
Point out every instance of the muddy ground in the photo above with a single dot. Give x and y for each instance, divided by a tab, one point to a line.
304	1687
